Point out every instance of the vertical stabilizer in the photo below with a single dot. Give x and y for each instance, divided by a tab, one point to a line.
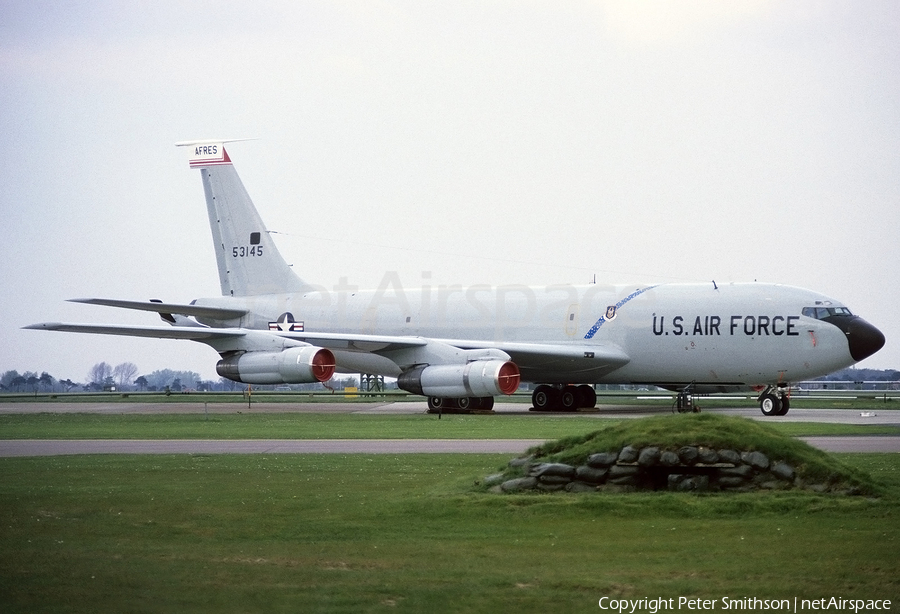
249	263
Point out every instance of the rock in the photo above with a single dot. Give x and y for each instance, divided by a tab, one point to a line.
691	483
493	479
580	487
763	476
688	455
675	479
553	480
625	481
782	471
628	454
757	460
623	475
729	456
622	471
632	469
521	462
741	471
591	474
731	482
669	458
648	456
518	484
602	459
557	469
818	488
707	456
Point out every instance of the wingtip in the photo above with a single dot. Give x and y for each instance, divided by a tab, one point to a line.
43	326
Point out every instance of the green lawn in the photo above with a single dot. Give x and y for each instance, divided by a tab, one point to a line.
340	426
372	533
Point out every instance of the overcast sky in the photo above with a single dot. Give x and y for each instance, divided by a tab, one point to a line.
460	142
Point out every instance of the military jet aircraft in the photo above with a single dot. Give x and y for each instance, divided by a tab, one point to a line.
463	346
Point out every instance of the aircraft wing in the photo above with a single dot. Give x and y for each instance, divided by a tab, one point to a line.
555	363
551	363
354	342
216	313
361	343
190	333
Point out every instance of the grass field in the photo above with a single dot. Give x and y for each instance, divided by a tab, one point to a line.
359	533
341	426
408	533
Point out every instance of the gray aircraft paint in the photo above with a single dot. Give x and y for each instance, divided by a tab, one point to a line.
687	349
729	336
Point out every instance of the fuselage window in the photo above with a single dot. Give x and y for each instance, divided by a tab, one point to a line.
820	313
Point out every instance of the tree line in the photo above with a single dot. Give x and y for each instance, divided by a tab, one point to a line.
103	376
124	378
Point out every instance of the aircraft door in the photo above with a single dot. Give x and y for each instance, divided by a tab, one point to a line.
571	323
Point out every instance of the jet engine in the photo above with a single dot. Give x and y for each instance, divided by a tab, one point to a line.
479	378
298	365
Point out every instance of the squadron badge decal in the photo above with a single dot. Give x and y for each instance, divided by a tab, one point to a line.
613	310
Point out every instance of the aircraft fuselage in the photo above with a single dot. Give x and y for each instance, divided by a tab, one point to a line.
728	335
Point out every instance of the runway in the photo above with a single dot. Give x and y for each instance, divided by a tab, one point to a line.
61	447
56	447
837	416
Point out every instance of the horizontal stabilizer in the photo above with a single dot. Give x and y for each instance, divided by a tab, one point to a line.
216	313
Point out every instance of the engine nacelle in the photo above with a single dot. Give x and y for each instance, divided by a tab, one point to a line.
479	378
299	365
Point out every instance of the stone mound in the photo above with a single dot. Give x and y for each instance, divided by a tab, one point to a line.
718	464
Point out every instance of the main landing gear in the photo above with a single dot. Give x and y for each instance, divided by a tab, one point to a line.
438	405
563	398
774	401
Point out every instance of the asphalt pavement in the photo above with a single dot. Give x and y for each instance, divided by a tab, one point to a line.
52	447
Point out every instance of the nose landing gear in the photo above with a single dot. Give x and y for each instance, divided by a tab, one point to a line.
775	400
684	402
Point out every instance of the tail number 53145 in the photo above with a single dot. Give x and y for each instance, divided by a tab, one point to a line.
244	251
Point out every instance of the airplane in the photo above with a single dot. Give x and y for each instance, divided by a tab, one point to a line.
462	347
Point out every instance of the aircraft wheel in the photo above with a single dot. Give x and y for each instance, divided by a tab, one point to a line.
436	404
544	397
587	396
485	403
465	403
568	400
785	405
770	404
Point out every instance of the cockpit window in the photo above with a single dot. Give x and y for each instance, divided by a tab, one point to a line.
820	313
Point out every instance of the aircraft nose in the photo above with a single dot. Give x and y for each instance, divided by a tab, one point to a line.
864	339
